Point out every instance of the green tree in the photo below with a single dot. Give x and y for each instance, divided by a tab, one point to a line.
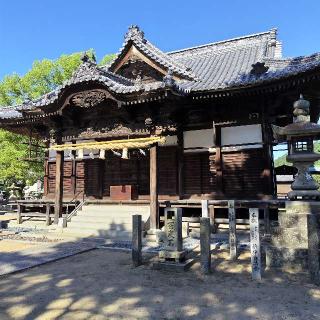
106	59
43	77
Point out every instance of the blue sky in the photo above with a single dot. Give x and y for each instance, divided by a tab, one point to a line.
35	29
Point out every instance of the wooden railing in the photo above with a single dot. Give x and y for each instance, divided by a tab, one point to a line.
39	209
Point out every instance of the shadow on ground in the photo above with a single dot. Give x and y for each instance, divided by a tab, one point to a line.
102	284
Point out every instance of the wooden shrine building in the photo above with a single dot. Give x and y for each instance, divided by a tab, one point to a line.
191	123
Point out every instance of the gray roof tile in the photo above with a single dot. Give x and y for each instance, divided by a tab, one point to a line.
216	66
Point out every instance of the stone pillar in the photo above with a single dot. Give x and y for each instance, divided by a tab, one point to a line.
205	245
173	227
19	213
313	221
204	208
48	219
59	186
232	230
255	244
154	205
178	217
289	241
136	240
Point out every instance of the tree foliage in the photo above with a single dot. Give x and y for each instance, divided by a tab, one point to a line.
43	77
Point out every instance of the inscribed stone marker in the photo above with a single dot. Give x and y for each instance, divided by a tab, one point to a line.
255	244
232	230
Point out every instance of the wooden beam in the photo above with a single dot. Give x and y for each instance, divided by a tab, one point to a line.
154	204
59	186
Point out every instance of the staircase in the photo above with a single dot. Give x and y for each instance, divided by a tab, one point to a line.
106	221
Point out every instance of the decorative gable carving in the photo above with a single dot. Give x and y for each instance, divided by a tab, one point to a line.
135	64
136	69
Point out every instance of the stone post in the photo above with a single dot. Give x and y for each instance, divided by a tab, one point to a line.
205	245
136	240
48	219
313	221
178	216
204	208
19	213
232	230
255	244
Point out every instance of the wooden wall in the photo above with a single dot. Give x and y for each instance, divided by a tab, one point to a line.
244	174
199	173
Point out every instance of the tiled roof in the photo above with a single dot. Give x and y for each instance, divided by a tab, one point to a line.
9	113
218	64
136	36
279	69
245	61
88	72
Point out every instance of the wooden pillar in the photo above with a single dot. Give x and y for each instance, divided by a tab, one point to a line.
46	171
180	163
73	172
154	205
59	186
218	160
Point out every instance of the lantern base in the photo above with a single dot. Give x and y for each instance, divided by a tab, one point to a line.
304	195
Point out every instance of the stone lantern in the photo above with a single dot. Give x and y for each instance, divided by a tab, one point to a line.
299	136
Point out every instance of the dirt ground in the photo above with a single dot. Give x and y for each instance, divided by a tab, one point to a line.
14	246
101	284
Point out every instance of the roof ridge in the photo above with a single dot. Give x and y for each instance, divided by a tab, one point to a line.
136	36
273	30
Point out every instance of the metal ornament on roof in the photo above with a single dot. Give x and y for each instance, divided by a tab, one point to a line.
300	135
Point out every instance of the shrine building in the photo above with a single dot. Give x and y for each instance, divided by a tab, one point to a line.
154	126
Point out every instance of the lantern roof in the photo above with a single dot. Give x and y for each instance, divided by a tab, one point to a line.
301	126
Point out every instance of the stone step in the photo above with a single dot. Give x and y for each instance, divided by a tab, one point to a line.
108	214
109	234
102	219
116	208
100	226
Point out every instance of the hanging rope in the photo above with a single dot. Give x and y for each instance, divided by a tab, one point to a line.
138	143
